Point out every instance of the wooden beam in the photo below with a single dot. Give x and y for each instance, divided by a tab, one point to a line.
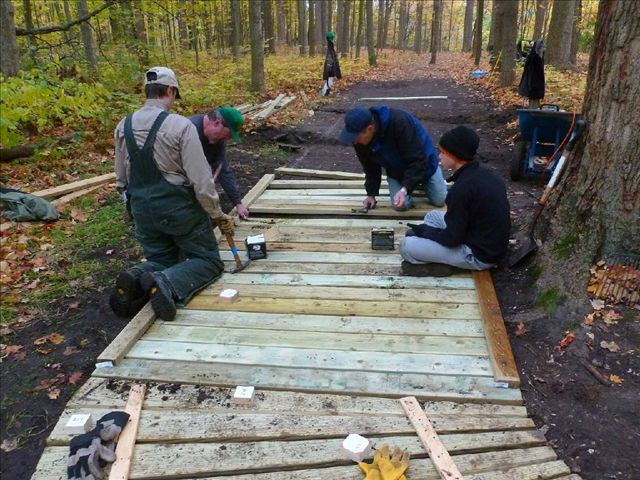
430	440
301	172
117	349
415	214
504	365
127	440
73	195
72	187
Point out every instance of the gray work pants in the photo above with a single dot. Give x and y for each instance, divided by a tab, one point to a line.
422	250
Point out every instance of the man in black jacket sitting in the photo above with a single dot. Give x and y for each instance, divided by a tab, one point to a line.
474	233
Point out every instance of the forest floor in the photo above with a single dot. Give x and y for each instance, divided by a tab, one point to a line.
56	318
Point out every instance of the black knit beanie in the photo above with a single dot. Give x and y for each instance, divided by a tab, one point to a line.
460	143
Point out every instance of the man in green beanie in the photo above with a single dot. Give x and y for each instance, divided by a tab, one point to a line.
214	129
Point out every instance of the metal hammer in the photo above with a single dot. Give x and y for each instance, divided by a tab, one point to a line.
239	265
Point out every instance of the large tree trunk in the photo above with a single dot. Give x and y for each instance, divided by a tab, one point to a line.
269	26
387	17
541	13
69	17
435	30
182	25
141	35
361	15
559	39
345	27
509	37
370	34
312	28
28	20
596	207
575	36
257	47
302	26
492	30
339	26
381	8
10	58
281	20
235	34
417	44
329	16
468	27
497	24
87	39
477	47
404	24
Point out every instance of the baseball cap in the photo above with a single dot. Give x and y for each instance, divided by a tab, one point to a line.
233	119
355	121
162	76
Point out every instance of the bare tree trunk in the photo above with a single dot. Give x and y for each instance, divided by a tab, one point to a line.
575	38
312	28
435	30
545	27
404	23
235	30
508	45
182	25
370	34
340	26
329	16
492	31
477	47
302	26
468	27
361	15
559	39
321	29
141	35
596	206
87	39
28	20
387	17
257	47
345	28
381	9
352	33
10	58
450	26
281	20
541	12
497	24
269	27
417	44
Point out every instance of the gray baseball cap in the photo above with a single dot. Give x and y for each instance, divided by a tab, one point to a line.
162	76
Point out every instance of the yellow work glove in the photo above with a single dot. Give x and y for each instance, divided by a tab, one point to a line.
385	468
225	222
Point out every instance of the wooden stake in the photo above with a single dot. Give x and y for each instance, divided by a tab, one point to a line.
127	441
430	440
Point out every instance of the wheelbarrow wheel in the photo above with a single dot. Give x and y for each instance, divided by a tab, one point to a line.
519	154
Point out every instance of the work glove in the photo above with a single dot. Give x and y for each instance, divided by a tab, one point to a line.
385	468
89	451
417	230
225	222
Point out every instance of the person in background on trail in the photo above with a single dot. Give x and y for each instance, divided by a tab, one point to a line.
395	140
331	66
160	162
214	129
474	233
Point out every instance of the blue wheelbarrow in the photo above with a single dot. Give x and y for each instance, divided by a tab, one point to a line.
542	133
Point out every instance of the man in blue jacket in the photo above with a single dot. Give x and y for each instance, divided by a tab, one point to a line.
393	139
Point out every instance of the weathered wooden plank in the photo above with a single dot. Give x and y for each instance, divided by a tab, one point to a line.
302	172
326	222
332	192
128	336
166	426
427	387
316	292
330	323
337	307
386	212
265	266
72	187
352	342
313	358
318	184
351	201
316	247
541	471
367	281
112	394
321	257
127	440
73	195
504	365
52	465
251	196
430	440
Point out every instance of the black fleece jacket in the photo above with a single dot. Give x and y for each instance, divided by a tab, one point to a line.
478	214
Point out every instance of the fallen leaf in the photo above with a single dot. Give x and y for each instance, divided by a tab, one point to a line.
55	366
53	393
34	284
566	341
611	346
75	377
74	305
45	351
53	338
9	445
611	317
45	384
597	304
46	246
588	320
13	349
84	342
521	330
109	252
70	351
616	379
78	215
18	357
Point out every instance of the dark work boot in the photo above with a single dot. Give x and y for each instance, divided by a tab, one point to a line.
128	297
427	269
159	292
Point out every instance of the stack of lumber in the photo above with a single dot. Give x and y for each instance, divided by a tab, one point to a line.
261	111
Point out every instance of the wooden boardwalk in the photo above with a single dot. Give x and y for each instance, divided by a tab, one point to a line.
331	335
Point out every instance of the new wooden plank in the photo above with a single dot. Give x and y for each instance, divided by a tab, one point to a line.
330	323
353	201
430	440
541	471
167	426
418	295
366	281
313	358
52	465
322	257
321	184
275	193
316	247
352	342
265	266
327	222
504	365
110	394
302	172
127	440
255	192
129	335
289	209
337	307
74	195
427	387
72	187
